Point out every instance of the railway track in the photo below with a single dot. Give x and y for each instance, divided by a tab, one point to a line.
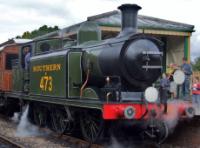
76	142
51	139
9	143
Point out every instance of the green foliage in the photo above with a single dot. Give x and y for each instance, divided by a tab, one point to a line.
38	32
196	64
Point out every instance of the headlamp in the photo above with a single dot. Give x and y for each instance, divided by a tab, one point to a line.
151	94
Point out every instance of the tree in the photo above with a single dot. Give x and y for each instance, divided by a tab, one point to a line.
38	32
196	64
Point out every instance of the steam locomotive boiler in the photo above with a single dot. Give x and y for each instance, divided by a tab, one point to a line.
136	59
92	83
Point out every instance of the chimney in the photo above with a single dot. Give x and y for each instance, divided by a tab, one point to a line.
128	18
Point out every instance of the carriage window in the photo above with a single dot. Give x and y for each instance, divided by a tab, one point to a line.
9	59
48	45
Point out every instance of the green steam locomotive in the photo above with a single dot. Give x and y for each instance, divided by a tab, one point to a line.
90	82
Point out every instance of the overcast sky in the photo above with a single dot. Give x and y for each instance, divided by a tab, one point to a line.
18	16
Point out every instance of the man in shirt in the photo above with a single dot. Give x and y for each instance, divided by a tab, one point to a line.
27	57
187	69
27	53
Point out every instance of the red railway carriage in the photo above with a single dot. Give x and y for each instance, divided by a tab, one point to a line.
7	55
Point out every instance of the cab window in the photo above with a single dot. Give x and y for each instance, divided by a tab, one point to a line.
48	45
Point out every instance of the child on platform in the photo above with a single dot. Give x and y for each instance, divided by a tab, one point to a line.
196	92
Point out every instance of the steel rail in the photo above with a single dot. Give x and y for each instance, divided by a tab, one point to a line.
9	141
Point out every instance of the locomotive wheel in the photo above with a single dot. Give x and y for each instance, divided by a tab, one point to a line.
60	122
157	131
92	125
39	116
164	132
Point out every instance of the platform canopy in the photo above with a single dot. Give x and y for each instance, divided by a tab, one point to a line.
110	23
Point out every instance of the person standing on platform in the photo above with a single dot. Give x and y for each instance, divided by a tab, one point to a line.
164	90
173	87
187	69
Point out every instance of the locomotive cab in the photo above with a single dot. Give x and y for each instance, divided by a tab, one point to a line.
20	75
36	48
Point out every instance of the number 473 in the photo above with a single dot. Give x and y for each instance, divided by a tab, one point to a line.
46	83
